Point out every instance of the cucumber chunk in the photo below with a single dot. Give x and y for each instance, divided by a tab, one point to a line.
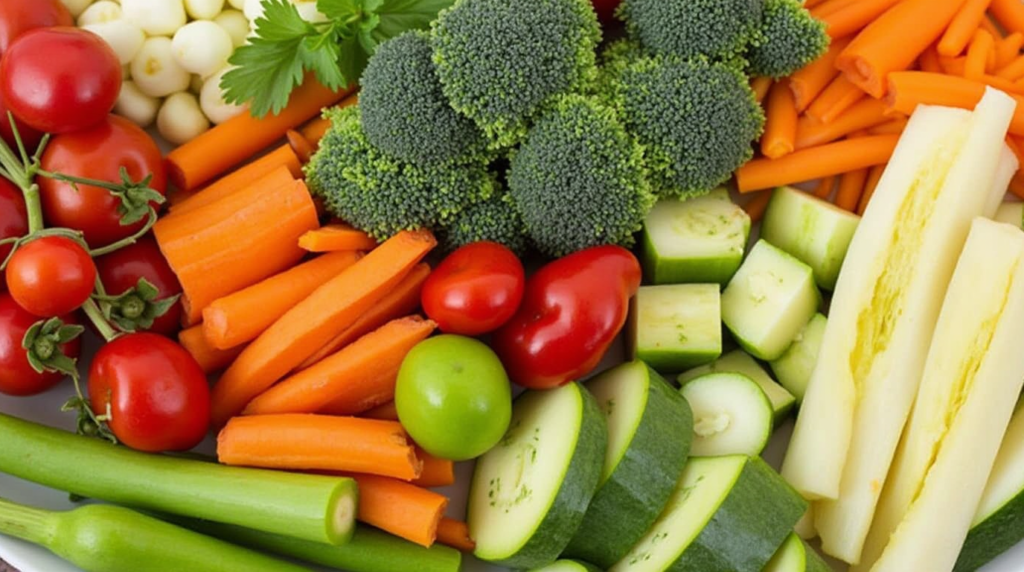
529	492
676	327
795	366
813	230
567	566
731	415
1010	213
726	514
768	301
795	556
650	429
738	361
697	240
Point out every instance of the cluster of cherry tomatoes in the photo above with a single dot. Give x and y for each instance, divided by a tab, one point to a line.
77	252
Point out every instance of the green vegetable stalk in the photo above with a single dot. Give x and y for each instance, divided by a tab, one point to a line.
103	538
311	507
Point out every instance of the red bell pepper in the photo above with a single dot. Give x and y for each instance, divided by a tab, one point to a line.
571	312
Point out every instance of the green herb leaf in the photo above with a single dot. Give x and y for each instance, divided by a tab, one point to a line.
397	16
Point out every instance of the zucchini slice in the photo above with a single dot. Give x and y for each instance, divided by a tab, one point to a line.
795	556
794	368
567	566
726	514
650	429
731	415
738	361
676	327
529	492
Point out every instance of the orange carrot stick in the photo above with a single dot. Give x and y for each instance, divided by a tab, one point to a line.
244	315
907	90
839	96
455	533
761	86
929	61
953	66
1012	71
870	184
981	49
283	156
319	442
334	237
1001	84
359	377
891	127
757	204
228	144
403	300
1017	185
816	162
387	412
315	321
808	82
300	145
237	241
988	26
1009	13
867	113
854	16
893	41
812	3
780	129
954	41
436	472
851	187
830	7
824	187
315	130
405	510
1008	49
210	358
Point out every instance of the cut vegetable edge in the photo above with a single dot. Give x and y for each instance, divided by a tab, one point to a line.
795	556
739	361
674	327
731	415
794	368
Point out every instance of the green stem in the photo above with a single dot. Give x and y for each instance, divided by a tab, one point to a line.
102	325
113	187
31	524
34	206
127	241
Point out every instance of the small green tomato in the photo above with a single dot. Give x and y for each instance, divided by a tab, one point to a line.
453	397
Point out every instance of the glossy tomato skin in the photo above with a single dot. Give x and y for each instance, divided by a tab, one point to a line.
13	220
158	396
51	276
59	80
475	289
16	375
572	310
120	271
98	153
29	137
20	16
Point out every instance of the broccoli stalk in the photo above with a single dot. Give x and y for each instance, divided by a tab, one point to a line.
790	39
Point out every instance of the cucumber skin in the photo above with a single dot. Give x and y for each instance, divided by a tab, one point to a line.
749	527
993	536
662	270
813	562
629	502
578	487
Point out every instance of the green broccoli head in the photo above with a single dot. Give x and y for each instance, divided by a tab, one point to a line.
791	39
501	61
496	219
579	179
381	195
614	59
720	29
696	119
405	113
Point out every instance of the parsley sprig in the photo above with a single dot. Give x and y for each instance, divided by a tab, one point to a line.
286	47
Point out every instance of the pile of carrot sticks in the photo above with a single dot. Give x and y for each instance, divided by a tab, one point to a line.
837	120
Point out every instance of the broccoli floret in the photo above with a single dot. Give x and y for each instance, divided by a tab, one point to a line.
696	118
614	59
719	29
495	219
404	111
791	39
382	195
579	179
501	61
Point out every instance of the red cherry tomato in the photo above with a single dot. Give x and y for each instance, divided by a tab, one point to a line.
16	375
59	80
30	138
120	271
20	16
157	394
51	276
98	153
475	289
13	219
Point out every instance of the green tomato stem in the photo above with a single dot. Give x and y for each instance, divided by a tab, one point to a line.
34	525
102	325
34	207
127	241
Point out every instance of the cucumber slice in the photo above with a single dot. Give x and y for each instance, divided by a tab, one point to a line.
768	301
813	230
650	429
726	514
567	566
1010	213
676	327
529	493
738	361
795	556
795	366
999	522
697	240
731	415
